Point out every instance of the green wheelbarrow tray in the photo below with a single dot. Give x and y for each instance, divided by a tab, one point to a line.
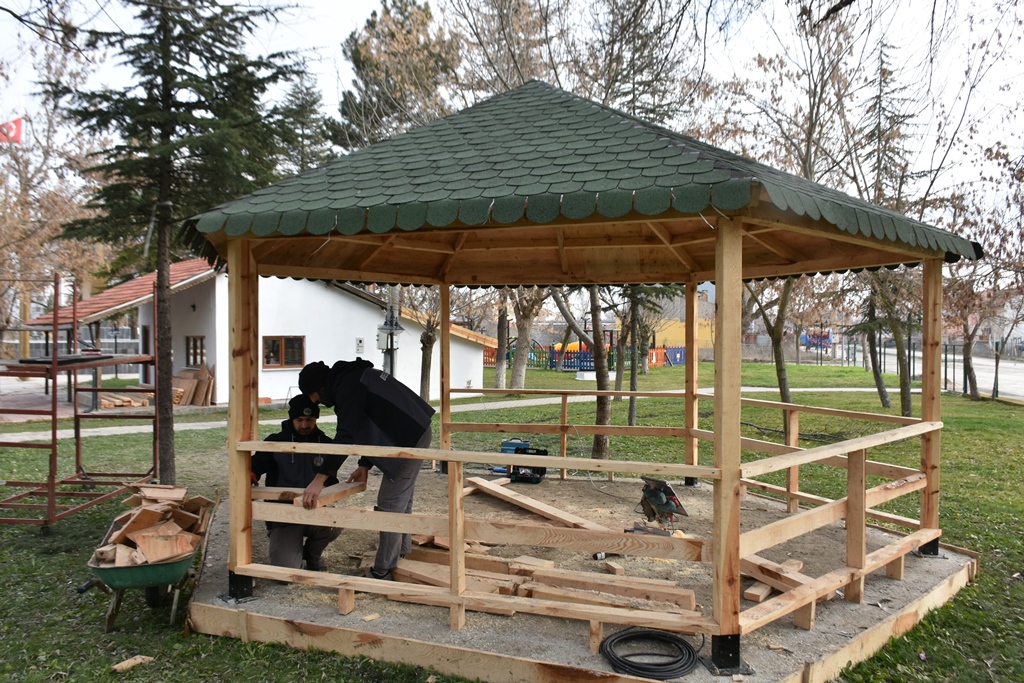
157	579
144	575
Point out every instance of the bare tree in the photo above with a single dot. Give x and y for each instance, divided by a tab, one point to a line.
526	305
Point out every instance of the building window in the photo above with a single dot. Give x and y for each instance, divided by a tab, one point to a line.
284	352
195	351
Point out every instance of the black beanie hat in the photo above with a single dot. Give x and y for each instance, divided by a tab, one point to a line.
313	377
301	406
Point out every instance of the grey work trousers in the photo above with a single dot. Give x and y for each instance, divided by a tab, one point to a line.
290	544
397	486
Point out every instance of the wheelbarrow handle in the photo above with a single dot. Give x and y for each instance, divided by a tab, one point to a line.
95	581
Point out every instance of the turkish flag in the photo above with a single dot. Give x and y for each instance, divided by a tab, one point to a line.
11	131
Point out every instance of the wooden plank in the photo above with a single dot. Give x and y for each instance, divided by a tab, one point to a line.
614	568
654	590
471	488
328	495
757	592
142	517
691	384
497	565
780	577
532	589
535	506
199	393
931	389
445	659
665	470
439	575
781	462
160	547
643	545
162	492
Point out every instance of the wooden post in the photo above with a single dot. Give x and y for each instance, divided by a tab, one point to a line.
931	375
793	473
727	490
856	522
243	305
446	366
565	436
690	442
457	541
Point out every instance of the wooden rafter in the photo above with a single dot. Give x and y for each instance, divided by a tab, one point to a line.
678	251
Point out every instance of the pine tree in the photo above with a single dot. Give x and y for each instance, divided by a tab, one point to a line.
189	133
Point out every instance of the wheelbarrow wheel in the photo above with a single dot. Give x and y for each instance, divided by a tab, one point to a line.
155	595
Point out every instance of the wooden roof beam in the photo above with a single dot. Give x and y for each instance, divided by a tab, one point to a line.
383	245
678	251
447	265
774	245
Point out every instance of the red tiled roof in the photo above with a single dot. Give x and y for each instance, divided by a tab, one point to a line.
126	295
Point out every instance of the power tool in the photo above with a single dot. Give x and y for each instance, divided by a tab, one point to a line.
660	503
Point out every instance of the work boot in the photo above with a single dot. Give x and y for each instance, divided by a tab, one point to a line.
316	564
372	573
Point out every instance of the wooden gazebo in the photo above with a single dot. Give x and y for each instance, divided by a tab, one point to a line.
539	187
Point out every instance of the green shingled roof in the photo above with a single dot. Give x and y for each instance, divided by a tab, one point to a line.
539	153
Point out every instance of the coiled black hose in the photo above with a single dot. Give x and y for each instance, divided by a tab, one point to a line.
673	666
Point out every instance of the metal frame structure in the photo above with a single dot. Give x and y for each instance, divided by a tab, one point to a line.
63	495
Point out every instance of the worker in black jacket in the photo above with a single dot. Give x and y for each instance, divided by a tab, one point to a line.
375	409
291	544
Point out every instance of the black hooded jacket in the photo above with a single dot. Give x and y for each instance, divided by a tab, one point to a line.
374	408
296	470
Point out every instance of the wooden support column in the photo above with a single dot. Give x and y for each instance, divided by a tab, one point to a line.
564	442
446	366
243	323
931	375
793	473
690	442
856	522
457	541
727	489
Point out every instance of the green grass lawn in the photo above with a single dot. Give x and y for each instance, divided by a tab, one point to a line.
48	632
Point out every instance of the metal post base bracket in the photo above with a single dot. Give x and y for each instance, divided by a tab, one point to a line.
239	587
725	657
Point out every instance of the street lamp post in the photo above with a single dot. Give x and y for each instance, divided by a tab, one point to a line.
387	339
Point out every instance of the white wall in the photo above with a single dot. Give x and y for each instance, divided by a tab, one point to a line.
332	322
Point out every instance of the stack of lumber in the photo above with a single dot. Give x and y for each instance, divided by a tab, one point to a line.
110	400
532	577
165	524
193	386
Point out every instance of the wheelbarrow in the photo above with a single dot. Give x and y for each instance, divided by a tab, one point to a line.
158	579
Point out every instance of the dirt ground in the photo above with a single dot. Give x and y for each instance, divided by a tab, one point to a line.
774	652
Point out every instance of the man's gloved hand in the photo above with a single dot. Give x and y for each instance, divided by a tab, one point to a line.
255	480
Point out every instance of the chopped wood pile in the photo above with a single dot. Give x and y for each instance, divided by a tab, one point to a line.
165	525
193	386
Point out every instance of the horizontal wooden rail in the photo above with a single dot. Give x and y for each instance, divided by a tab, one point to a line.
782	462
804	522
758	445
569	392
534	428
483	602
876	515
790	601
514	533
674	470
836	412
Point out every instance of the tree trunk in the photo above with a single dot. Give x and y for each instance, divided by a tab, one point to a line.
521	352
620	354
501	354
876	371
164	359
427	341
634	360
604	404
560	363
